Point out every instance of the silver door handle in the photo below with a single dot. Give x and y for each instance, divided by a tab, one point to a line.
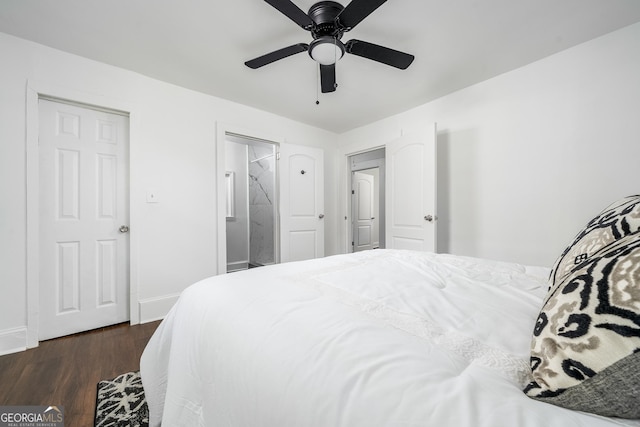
321	216
123	229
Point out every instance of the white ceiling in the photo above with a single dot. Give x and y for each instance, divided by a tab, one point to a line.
203	44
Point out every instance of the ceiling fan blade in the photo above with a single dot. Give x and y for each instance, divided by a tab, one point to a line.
381	54
276	55
328	78
356	11
293	12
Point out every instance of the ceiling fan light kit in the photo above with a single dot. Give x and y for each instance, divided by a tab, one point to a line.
328	21
326	50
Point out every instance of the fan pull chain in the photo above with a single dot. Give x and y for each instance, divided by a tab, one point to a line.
335	61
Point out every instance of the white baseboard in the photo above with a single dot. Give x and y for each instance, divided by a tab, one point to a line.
13	340
152	309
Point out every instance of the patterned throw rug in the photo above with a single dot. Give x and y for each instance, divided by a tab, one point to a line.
121	402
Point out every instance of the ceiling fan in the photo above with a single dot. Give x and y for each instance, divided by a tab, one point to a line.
328	21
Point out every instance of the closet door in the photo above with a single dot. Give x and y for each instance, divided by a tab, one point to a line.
84	217
411	192
301	202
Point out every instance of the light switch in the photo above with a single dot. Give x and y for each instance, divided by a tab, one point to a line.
152	196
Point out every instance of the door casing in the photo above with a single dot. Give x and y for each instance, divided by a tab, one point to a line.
35	90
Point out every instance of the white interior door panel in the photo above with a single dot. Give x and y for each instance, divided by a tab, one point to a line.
301	202
84	217
411	192
363	214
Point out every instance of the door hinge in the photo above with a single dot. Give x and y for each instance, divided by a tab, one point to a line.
352	244
278	155
353	191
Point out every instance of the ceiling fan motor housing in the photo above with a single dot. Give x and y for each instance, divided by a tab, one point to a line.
326	48
324	14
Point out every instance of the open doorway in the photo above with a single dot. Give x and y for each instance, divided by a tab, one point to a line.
367	200
251	208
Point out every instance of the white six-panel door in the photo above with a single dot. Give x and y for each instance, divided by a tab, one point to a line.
84	217
411	192
301	202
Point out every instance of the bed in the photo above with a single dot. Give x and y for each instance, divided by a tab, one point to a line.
376	338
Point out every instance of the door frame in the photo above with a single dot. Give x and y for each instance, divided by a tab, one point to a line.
364	165
347	186
248	142
222	129
369	142
34	91
356	203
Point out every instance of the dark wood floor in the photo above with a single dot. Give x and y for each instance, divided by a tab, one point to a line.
65	371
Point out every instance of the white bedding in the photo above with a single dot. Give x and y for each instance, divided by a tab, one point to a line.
377	338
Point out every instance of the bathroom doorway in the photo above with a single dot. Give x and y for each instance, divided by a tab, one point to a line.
252	202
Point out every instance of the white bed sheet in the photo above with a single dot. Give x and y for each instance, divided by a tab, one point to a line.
376	338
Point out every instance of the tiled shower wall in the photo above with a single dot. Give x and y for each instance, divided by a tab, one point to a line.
261	204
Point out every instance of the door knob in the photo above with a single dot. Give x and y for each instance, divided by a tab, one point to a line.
123	229
321	216
428	218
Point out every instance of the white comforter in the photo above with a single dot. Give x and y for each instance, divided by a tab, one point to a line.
377	338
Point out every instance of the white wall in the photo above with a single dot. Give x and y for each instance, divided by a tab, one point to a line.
172	151
527	158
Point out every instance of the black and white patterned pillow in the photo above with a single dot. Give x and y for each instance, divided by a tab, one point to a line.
585	351
619	219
